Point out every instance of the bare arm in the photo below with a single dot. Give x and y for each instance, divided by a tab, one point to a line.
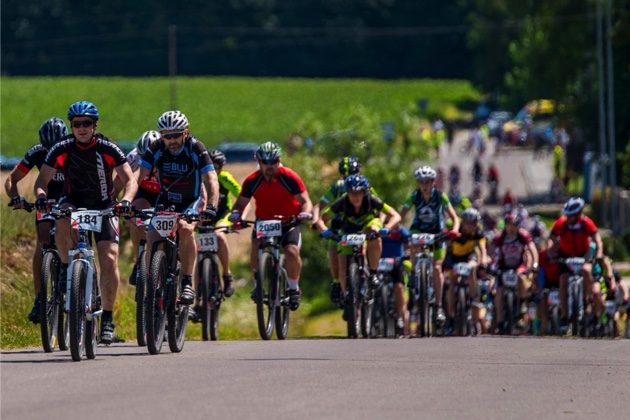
211	182
10	185
127	179
450	211
403	213
241	203
394	218
305	201
531	247
600	245
46	173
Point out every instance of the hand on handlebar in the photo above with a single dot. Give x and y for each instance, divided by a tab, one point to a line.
304	215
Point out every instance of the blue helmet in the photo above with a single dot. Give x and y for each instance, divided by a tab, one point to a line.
52	131
83	109
357	183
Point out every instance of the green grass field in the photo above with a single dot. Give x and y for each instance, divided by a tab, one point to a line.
218	108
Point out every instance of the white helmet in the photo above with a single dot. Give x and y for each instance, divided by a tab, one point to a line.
146	139
172	120
425	172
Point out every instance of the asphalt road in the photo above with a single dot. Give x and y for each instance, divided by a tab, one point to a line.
482	377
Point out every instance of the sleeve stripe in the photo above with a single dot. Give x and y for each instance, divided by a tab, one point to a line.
207	168
22	168
146	164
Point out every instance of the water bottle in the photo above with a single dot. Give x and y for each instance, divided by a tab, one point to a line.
536	325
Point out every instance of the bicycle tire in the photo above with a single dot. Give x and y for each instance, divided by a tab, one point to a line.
283	311
351	301
48	302
380	313
141	284
266	303
366	317
509	312
77	316
216	290
92	328
423	301
460	311
204	289
154	306
177	316
575	311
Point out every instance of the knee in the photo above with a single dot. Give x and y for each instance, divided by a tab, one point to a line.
292	251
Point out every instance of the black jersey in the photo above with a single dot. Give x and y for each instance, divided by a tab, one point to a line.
180	175
35	157
88	169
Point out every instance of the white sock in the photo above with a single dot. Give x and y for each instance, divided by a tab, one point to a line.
293	284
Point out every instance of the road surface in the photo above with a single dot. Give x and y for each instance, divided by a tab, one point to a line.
479	378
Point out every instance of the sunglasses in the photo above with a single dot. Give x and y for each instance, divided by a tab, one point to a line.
270	162
84	123
172	135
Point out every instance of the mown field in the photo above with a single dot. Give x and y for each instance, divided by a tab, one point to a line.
219	109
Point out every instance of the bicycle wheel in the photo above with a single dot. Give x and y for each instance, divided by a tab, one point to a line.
352	300
141	281
204	286
177	315
379	327
154	304
575	310
76	316
509	312
423	301
216	293
92	327
267	289
48	302
366	317
282	312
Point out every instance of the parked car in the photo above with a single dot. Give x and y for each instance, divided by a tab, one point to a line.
8	163
496	120
238	151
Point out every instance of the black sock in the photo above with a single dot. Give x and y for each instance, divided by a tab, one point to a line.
107	315
186	280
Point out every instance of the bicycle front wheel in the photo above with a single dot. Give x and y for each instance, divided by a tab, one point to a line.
48	301
204	285
266	286
141	281
282	312
154	306
76	317
352	302
216	295
177	315
92	327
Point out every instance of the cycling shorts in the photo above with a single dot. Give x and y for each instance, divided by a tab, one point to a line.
291	235
144	194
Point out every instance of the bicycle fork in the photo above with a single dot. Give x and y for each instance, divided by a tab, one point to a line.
86	257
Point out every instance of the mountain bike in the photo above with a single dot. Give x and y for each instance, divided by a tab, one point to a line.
463	317
383	310
83	302
575	295
164	313
271	297
53	321
421	293
210	279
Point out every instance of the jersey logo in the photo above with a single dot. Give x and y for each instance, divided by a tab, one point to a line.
102	179
174	167
426	214
58	177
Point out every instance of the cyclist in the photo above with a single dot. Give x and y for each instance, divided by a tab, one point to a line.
183	165
514	250
548	277
572	233
50	133
348	165
88	160
228	185
360	211
604	284
430	208
459	202
279	191
394	247
469	247
148	190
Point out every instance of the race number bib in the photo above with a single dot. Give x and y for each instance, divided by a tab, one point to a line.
510	278
268	228
87	220
554	298
164	223
422	239
386	265
355	239
207	242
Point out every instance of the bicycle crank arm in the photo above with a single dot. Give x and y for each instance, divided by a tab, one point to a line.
91	315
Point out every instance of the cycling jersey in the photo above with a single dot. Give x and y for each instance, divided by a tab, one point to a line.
510	252
88	170
393	243
35	157
275	197
355	221
574	238
227	186
465	244
429	217
150	184
180	176
335	191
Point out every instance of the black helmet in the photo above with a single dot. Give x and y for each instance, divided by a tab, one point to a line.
217	156
52	131
349	165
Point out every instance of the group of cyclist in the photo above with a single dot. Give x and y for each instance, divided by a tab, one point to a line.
170	167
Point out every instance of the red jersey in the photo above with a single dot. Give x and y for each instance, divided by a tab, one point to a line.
510	253
275	197
575	238
552	269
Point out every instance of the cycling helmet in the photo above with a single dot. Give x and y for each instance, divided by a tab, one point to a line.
146	140
471	215
512	217
574	205
217	156
357	183
83	109
268	151
172	120
425	172
349	165
52	131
